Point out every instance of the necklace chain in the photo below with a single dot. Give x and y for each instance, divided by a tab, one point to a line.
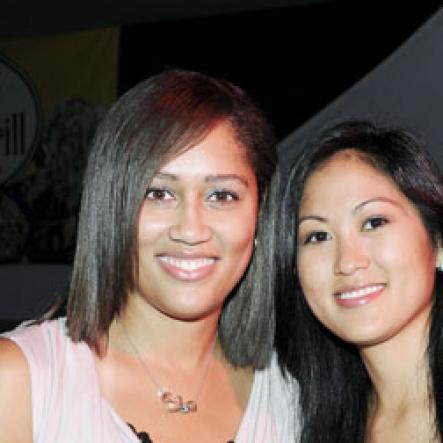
173	402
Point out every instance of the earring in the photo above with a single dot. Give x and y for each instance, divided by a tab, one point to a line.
439	261
255	242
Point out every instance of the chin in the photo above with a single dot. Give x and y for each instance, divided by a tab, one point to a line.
190	314
365	340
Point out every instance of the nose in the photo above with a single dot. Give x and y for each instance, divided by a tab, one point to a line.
351	256
190	226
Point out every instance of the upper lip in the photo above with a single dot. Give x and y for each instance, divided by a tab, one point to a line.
356	287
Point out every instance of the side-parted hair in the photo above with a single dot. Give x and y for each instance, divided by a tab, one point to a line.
149	125
335	389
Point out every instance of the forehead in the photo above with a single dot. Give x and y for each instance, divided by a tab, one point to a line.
348	177
218	152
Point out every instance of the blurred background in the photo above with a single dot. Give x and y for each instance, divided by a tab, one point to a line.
307	62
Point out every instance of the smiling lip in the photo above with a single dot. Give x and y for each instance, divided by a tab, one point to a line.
358	296
187	268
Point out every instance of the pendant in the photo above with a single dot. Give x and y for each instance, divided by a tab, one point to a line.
175	403
189	406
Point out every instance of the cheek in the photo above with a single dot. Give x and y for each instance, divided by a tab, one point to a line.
312	274
406	258
149	227
238	237
415	267
237	232
315	270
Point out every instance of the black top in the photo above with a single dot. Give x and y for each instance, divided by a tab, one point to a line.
144	436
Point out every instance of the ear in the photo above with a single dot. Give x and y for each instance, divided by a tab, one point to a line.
439	259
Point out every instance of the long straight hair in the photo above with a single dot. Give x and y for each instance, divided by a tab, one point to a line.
335	389
152	123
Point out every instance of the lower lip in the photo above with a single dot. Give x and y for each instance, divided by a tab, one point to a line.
187	276
359	301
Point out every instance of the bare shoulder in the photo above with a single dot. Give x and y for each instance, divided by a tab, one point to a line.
15	398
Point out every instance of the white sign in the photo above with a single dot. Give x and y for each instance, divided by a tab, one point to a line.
19	119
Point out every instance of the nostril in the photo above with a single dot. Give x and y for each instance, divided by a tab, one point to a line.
350	261
190	235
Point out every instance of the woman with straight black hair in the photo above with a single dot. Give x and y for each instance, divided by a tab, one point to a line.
169	327
359	298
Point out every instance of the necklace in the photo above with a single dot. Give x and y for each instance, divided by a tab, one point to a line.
173	402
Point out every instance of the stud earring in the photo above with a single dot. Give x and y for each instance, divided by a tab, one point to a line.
439	261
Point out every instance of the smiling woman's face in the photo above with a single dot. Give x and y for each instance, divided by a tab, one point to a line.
196	228
366	263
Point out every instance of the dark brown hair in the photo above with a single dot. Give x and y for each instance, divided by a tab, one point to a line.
150	124
334	385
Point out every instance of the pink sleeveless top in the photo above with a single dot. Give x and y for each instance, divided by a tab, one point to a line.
67	406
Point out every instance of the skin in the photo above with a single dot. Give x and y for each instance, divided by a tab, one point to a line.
359	231
200	213
15	388
367	268
196	228
196	232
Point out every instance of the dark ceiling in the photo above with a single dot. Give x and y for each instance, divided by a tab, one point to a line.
31	17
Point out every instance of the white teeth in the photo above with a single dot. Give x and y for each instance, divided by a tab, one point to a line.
187	264
359	292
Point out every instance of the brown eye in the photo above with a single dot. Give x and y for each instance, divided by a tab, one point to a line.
158	194
317	237
374	223
222	196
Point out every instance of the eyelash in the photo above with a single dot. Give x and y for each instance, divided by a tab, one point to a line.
380	221
321	236
312	237
226	196
221	195
162	191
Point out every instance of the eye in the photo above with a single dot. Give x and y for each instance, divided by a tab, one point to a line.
222	196
373	223
158	194
317	237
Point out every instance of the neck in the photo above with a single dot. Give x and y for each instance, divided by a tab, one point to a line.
398	367
174	343
175	355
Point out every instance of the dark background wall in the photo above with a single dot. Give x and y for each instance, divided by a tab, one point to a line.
294	60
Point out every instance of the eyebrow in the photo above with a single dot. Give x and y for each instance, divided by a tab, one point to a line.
321	219
208	178
312	217
376	200
166	176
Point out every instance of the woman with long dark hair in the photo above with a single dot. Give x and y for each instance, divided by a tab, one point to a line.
169	327
359	298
